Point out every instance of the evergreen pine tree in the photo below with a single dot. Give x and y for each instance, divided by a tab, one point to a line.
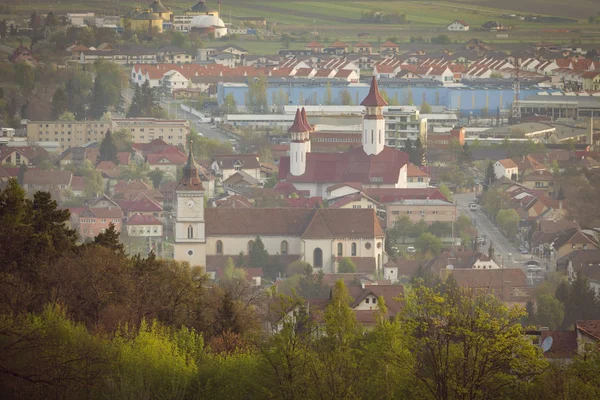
258	257
108	150
110	239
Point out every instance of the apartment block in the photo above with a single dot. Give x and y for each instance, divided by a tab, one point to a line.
78	133
67	133
404	123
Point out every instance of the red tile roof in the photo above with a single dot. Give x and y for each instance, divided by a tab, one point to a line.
508	163
124	157
389	44
314	44
413	171
394	195
140	219
102	212
338	45
352	166
292	221
166	158
297	126
143	205
374	99
564	344
49	177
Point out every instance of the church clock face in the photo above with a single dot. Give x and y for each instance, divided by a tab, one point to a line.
190	203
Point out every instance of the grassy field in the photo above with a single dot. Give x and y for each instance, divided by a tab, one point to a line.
337	19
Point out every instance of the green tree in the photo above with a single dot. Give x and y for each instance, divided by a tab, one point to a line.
66	116
328	100
94	185
419	158
257	95
428	244
425	108
346	265
156	176
490	175
25	76
59	102
258	255
508	220
402	227
418	229
550	311
452	334
445	191
110	240
108	150
229	104
345	98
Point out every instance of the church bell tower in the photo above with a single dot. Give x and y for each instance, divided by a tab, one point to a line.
373	139
300	144
190	239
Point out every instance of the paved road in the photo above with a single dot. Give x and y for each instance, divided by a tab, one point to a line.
505	251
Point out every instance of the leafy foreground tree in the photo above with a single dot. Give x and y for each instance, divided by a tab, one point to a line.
465	344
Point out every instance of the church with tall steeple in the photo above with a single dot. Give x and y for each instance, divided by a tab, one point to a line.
190	235
372	165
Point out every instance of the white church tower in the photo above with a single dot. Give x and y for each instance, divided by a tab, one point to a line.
300	144
190	239
373	140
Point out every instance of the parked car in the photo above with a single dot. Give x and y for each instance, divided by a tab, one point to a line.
473	207
523	250
411	249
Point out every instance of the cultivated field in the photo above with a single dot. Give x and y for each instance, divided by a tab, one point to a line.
339	19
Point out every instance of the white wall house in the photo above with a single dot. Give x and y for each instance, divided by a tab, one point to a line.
507	168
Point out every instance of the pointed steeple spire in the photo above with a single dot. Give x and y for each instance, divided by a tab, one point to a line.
374	99
297	126
307	126
190	179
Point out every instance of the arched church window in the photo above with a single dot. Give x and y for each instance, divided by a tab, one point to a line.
372	136
250	246
190	232
340	250
380	136
353	250
318	258
219	247
284	247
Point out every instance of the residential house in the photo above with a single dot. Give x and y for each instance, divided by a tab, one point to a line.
541	180
509	285
507	168
429	210
144	226
167	162
458	25
591	81
21	155
47	180
240	182
226	165
22	54
354	200
94	221
366	299
363	48
585	262
388	46
143	206
564	345
573	239
417	178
